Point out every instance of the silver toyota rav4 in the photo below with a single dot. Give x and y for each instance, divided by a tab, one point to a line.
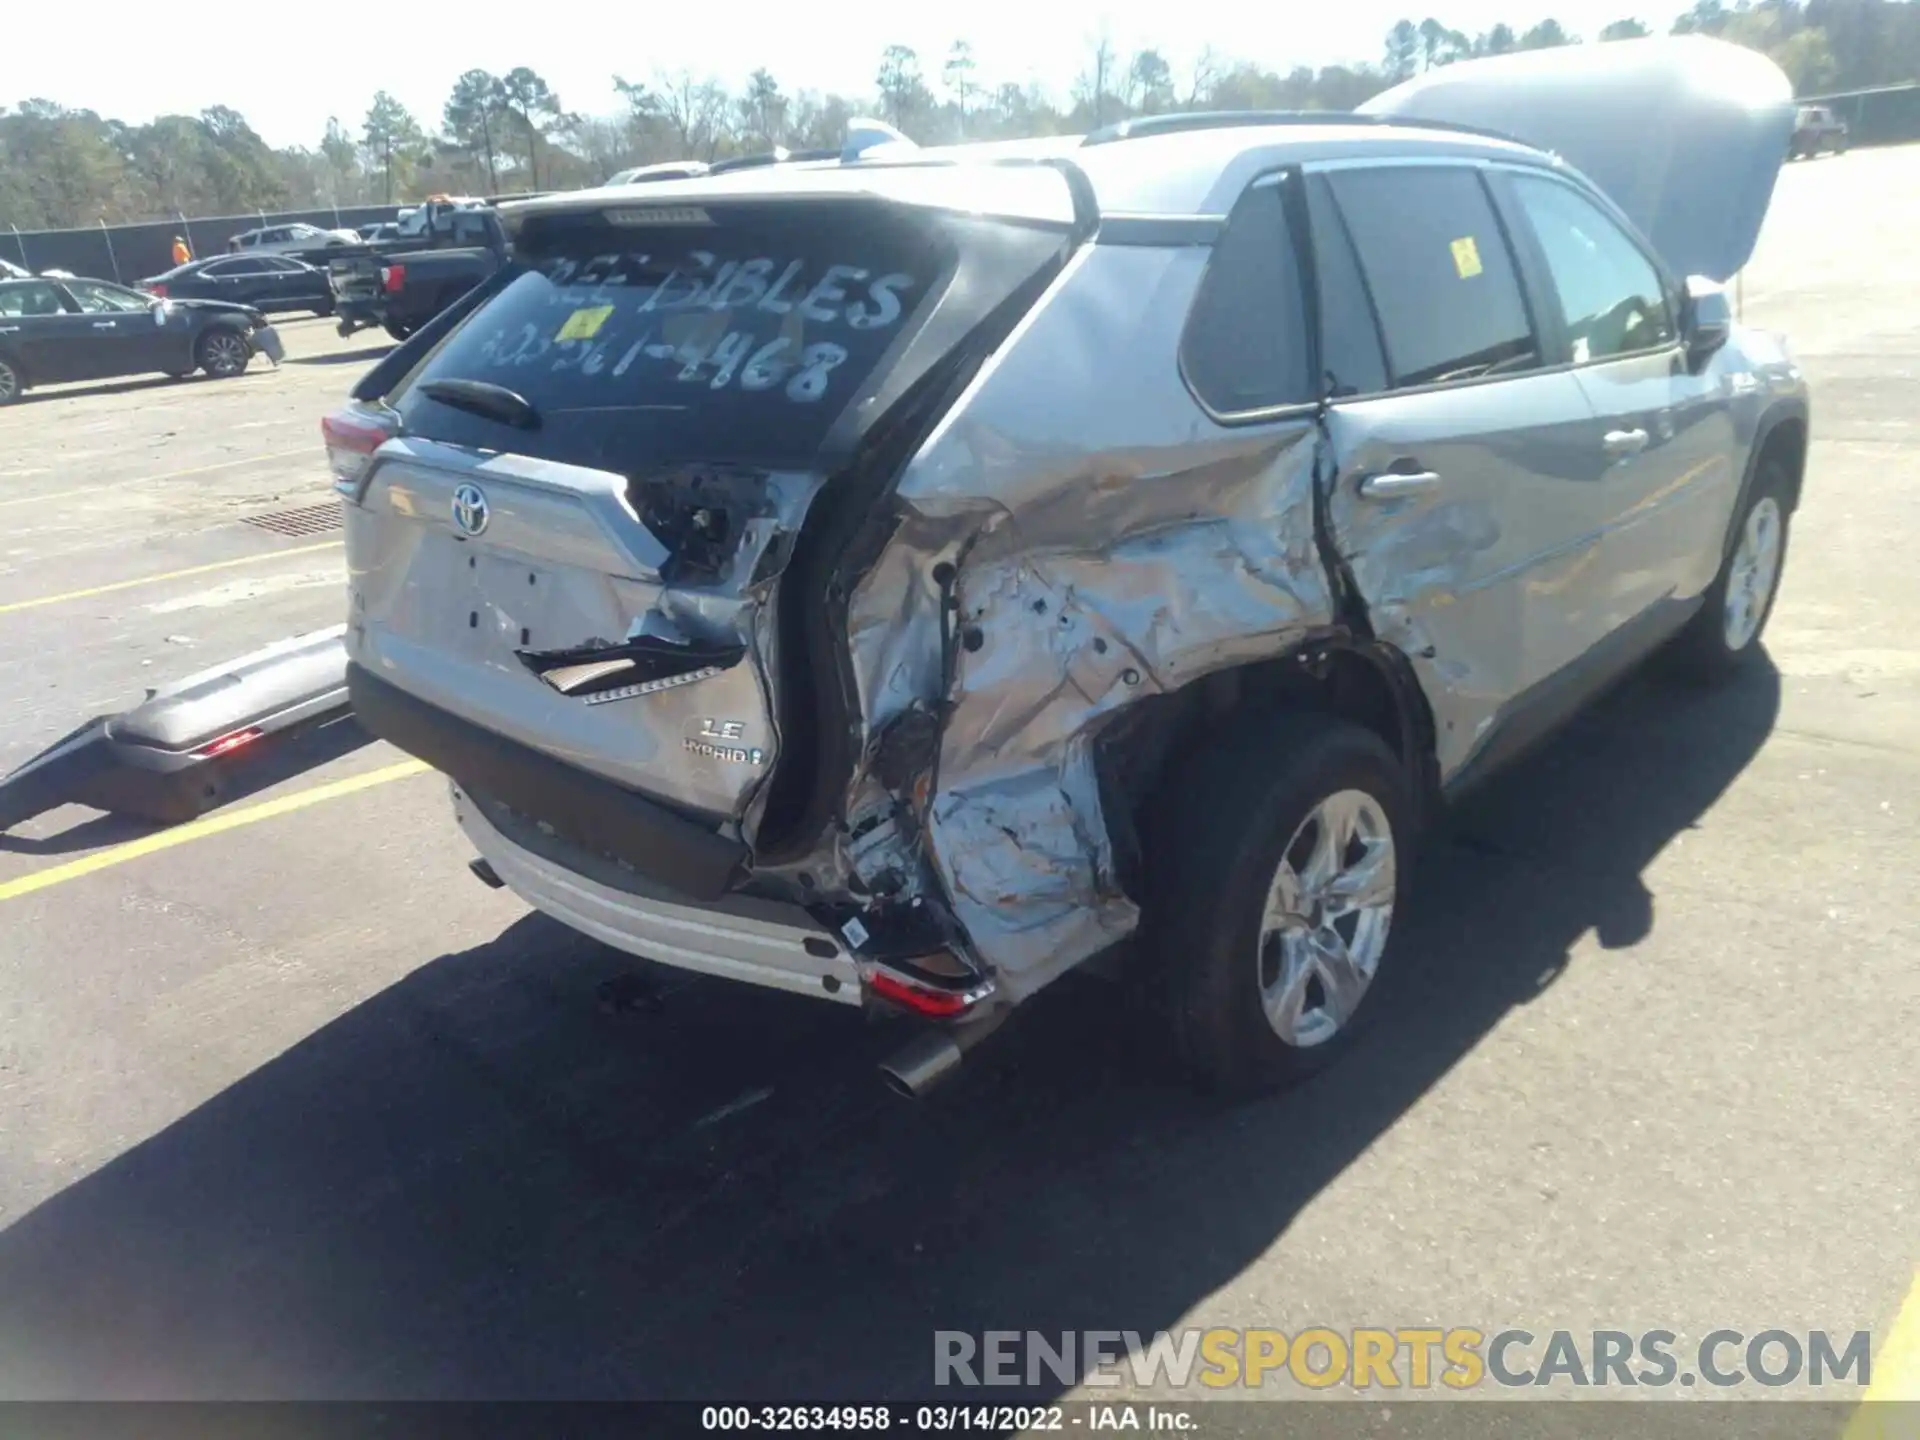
904	579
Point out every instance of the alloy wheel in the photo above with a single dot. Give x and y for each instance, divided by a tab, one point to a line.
1752	573
226	354
1328	912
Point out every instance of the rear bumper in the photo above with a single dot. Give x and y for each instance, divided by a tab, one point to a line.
738	938
662	846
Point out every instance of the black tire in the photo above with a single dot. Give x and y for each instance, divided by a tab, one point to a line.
1225	819
12	383
223	352
1706	652
398	329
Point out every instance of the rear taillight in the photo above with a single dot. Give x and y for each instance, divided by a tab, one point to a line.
159	292
227	743
392	277
352	436
937	1002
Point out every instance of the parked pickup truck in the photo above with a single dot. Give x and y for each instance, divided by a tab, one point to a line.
401	284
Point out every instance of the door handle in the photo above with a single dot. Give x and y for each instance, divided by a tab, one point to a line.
1625	442
103	324
1397	485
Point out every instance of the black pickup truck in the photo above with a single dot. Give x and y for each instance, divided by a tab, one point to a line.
402	283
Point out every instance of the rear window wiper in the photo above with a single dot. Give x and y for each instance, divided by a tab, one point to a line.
478	397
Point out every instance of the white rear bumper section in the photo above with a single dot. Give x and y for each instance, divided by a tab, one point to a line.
742	938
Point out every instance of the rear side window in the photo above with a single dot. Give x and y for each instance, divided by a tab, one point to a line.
1442	279
741	339
30	298
1246	343
1350	350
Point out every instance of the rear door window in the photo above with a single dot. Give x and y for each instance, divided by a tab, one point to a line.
30	298
739	335
1350	352
1443	282
1245	348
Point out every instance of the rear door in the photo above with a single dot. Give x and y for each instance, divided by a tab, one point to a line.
238	280
586	553
1668	434
1469	496
36	326
55	342
289	285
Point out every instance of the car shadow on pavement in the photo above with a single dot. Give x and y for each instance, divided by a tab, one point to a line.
364	355
116	387
490	1181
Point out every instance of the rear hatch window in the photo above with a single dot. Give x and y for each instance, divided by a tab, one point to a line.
731	334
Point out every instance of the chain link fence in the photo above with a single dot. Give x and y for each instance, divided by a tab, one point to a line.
128	253
1885	115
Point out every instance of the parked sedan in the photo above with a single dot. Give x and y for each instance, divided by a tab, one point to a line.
266	282
56	330
289	239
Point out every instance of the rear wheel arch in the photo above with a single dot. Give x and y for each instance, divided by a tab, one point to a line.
22	379
1364	682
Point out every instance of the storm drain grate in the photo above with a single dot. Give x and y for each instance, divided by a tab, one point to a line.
308	520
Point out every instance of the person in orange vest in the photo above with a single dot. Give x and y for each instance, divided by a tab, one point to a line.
181	254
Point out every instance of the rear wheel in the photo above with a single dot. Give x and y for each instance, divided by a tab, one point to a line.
1725	636
223	353
12	386
1280	859
399	329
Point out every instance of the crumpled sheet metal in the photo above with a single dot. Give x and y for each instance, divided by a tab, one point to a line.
1089	576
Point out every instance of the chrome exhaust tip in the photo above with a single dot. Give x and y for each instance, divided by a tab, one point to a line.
914	1069
930	1057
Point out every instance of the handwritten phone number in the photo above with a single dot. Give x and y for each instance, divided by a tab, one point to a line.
924	1418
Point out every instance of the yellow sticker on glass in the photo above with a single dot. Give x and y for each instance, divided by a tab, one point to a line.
585	324
1466	257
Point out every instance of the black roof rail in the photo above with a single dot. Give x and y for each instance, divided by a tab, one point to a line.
1143	126
779	155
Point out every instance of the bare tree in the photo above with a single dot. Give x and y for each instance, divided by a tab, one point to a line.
763	110
1149	83
904	96
1207	70
1094	88
693	110
957	73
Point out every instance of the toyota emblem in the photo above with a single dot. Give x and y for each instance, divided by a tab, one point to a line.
470	509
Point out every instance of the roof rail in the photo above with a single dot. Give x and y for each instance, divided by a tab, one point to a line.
779	155
1142	127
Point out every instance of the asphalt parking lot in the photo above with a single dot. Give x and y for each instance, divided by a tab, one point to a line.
298	1108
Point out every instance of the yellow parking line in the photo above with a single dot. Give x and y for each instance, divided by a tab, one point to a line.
312	450
200	829
65	595
1896	1372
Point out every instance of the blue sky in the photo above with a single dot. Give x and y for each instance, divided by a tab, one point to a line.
288	67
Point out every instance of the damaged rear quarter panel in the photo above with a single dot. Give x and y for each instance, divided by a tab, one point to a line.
1109	542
